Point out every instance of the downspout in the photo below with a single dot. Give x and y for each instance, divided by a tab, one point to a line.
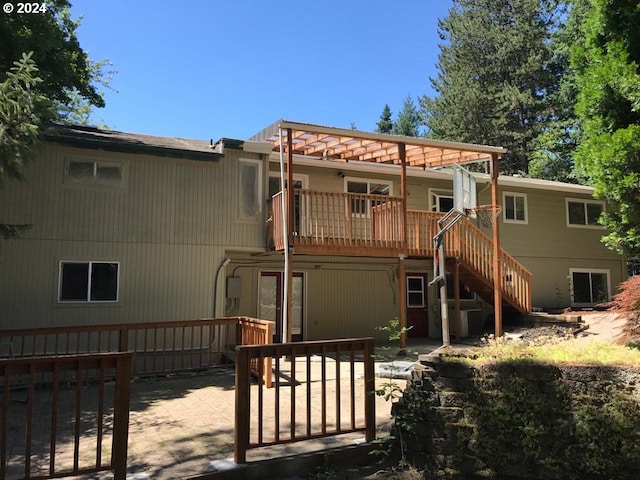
285	234
223	264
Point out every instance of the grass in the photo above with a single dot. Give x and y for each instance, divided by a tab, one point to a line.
557	351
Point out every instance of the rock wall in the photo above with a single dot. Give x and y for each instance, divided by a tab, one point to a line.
521	420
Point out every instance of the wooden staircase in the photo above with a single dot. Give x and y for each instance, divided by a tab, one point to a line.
472	249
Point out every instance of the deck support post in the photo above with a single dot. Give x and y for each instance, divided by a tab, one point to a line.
402	294
456	297
497	274
288	291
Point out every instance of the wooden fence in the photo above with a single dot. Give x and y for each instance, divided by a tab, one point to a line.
321	389
158	347
36	424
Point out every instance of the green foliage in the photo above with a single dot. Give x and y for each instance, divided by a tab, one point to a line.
385	124
408	121
497	72
63	65
608	80
23	110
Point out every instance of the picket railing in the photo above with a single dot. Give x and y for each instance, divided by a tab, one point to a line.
64	430
158	347
321	389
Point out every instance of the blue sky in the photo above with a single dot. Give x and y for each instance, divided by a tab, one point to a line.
228	68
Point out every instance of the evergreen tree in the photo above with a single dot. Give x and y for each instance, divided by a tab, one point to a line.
408	121
385	125
496	73
607	65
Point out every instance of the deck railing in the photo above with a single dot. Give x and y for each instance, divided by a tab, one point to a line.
159	347
473	247
321	389
35	423
340	220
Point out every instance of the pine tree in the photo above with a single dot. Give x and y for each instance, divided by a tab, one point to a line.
607	65
495	75
385	125
408	121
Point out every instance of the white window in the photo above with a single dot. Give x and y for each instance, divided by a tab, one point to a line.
88	281
514	207
94	173
415	291
589	287
250	189
365	187
440	200
583	213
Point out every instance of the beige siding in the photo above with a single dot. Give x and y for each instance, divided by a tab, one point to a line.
169	229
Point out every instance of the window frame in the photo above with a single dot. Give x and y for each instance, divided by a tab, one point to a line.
97	162
242	217
434	196
88	300
585	202
368	181
590	271
422	291
525	221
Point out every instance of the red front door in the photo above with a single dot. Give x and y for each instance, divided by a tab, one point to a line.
417	305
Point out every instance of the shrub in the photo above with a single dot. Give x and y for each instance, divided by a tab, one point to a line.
627	301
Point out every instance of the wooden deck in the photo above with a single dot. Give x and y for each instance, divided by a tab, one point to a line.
345	224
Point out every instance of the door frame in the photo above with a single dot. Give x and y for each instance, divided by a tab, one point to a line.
280	279
424	307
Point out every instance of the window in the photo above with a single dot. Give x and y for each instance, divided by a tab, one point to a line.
589	287
88	282
299	182
96	173
415	291
441	201
250	189
515	207
365	187
582	213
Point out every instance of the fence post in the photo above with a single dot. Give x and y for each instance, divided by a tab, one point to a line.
369	390
243	379
121	417
123	341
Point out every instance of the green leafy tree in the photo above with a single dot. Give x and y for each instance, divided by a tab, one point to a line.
408	121
496	73
385	124
45	76
23	110
607	65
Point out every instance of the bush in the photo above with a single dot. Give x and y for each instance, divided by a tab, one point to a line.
627	301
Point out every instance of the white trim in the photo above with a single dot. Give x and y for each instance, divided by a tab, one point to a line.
121	186
438	192
585	201
368	181
88	300
606	271
303	177
422	291
504	208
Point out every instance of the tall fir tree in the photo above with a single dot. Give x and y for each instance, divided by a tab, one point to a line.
607	65
385	124
495	75
408	121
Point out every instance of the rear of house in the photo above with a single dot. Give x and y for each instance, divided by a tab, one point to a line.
134	228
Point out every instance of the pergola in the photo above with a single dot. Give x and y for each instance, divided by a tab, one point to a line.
340	144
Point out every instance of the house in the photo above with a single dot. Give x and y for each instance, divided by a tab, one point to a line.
134	228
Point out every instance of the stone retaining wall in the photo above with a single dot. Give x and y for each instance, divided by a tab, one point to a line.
522	420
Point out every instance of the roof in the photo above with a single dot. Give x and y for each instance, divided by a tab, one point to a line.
111	140
353	145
